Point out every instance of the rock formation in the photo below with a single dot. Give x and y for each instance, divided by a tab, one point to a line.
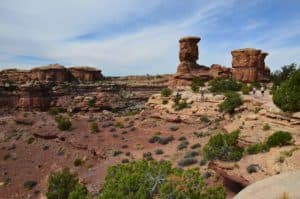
188	68
248	65
86	74
217	70
54	73
51	73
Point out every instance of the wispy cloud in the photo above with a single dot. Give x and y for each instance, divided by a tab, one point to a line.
131	36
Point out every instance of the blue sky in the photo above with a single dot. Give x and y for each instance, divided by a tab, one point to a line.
123	37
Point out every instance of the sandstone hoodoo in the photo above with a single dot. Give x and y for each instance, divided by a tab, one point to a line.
86	74
248	65
188	68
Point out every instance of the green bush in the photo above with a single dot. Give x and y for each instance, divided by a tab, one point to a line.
195	88
166	92
63	184
92	102
220	85
187	162
63	124
94	127
194	146
159	151
232	101
257	148
149	180
191	154
223	147
279	138
182	145
283	74
287	96
56	110
78	162
252	168
180	106
29	184
204	119
245	89
266	127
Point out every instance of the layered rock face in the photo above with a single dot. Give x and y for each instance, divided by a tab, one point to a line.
52	73
188	68
217	70
248	65
14	76
86	74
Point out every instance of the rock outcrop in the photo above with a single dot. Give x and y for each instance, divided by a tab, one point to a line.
248	65
217	70
188	68
52	73
86	74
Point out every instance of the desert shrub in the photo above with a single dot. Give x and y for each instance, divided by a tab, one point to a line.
266	127
194	146
30	140
117	152
94	127
91	102
166	92
180	106
257	148
203	162
182	138
29	184
182	145
187	162
165	140
127	153
245	89
279	138
154	139
63	124
194	88
149	180
287	96
174	128
191	154
159	151
165	101
63	184
125	160
232	101
257	109
220	85
78	162
79	192
204	118
148	156
252	168
223	147
198	81
119	124
56	110
256	85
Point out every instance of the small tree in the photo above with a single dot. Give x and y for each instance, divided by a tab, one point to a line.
223	147
64	184
220	85
166	92
279	138
149	180
287	96
63	124
232	101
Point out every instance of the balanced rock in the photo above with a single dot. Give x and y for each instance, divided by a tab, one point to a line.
188	68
